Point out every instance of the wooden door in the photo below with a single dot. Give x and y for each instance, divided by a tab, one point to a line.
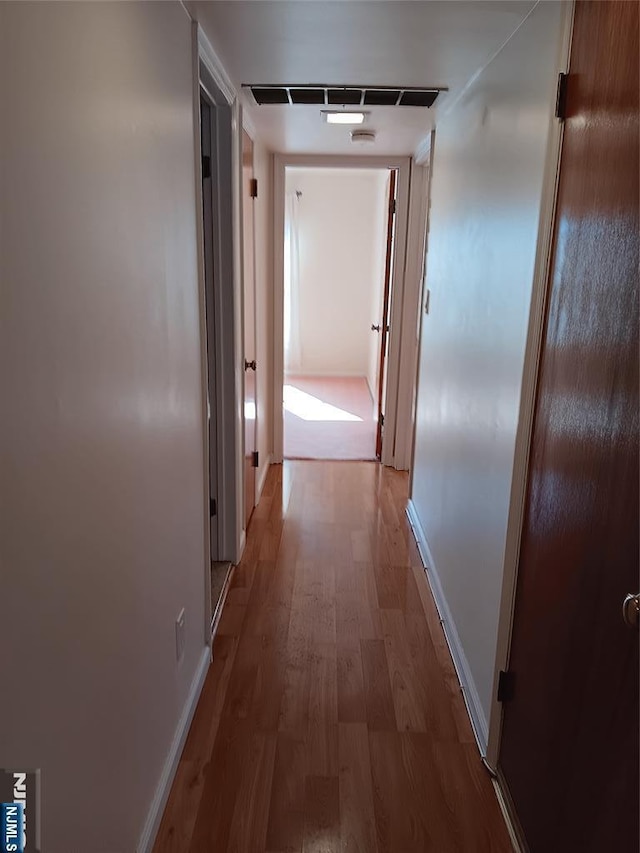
248	221
386	310
569	751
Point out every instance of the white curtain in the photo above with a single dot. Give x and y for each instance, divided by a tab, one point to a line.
292	344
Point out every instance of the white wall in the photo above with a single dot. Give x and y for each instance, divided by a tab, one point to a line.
102	516
341	223
487	191
263	169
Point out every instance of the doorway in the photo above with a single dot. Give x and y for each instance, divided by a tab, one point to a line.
219	340
338	266
207	118
220	570
249	189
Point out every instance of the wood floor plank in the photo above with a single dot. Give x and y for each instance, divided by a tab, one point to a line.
240	586
286	811
369	613
361	546
396	827
239	698
323	684
377	686
357	815
348	606
248	830
321	815
331	717
217	804
408	805
231	620
321	746
410	695
352	706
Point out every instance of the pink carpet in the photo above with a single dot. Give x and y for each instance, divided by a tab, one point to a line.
328	418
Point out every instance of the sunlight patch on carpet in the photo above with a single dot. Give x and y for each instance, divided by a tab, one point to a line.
310	408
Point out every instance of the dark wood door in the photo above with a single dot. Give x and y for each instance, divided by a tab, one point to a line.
250	367
569	751
386	309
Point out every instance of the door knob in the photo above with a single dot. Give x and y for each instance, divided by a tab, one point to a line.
375	328
631	610
250	365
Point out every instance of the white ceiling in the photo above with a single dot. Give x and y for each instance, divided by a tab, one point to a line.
342	42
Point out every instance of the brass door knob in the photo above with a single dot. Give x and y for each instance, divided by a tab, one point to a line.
631	610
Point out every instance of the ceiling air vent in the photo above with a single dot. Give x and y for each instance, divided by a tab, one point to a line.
376	96
417	98
307	96
382	97
344	96
270	95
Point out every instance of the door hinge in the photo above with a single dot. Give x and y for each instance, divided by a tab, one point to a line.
206	166
255	458
213	507
506	685
561	96
253	188
381	419
393	207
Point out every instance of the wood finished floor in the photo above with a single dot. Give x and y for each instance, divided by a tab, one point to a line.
331	718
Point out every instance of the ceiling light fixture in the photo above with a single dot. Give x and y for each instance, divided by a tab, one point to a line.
341	117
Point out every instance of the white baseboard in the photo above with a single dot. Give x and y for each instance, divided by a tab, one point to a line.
152	823
372	391
514	835
469	690
241	545
262	479
326	374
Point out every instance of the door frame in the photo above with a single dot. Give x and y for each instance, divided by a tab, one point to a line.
397	408
524	431
210	76
424	160
387	291
263	401
250	135
211	442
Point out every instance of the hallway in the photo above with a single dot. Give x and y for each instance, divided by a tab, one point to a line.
331	718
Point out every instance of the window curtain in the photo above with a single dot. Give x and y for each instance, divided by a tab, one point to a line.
292	344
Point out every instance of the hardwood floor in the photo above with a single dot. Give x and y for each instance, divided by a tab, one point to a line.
331	718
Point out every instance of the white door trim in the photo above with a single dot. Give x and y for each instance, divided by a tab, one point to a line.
226	165
211	59
397	408
411	315
517	501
